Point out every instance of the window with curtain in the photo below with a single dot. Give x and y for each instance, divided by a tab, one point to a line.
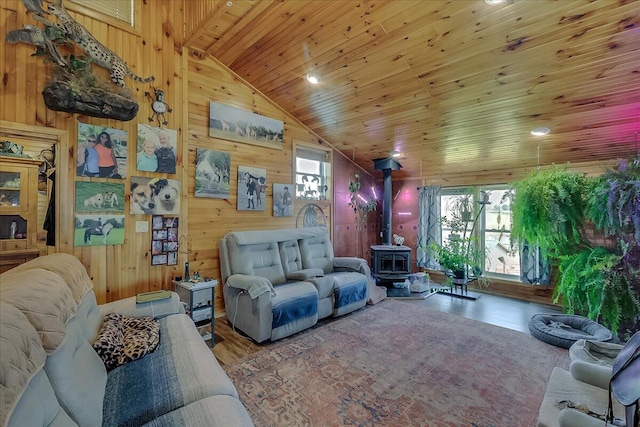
492	226
313	173
122	10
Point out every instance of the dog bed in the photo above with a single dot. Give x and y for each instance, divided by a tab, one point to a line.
562	330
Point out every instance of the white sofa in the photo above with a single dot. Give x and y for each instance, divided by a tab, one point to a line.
50	375
279	282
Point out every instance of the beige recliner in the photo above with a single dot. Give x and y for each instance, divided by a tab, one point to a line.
579	397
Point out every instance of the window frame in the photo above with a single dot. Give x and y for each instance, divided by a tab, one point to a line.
78	6
326	175
480	230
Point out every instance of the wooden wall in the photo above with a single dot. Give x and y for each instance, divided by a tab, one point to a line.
210	219
190	82
117	271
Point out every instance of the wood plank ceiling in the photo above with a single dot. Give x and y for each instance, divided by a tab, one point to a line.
455	86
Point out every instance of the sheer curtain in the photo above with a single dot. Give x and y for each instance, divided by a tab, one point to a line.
429	230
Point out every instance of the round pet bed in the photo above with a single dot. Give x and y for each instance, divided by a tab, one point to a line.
562	330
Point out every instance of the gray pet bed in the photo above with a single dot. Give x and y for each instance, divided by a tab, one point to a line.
562	330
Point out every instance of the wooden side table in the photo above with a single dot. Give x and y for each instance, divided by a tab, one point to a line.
200	298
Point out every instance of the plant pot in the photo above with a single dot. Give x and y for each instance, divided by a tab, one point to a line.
459	274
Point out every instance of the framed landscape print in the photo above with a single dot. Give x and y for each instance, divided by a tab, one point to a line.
239	125
213	169
252	183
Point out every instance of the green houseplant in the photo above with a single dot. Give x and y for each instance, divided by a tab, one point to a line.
461	253
564	213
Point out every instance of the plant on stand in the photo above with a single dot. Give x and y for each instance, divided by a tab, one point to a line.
361	208
461	254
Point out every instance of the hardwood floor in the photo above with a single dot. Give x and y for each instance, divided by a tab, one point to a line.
506	312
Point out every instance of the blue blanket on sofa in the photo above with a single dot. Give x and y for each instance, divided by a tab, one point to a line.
140	391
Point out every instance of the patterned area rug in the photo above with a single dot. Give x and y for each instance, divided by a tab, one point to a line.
398	363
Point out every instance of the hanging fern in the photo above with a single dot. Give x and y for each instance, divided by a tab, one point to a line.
583	279
548	210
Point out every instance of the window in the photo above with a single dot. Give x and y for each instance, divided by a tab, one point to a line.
491	226
501	256
121	10
313	173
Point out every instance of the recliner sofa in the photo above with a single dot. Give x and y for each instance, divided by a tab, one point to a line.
50	375
584	387
280	282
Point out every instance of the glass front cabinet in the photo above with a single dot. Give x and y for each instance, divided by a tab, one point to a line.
18	210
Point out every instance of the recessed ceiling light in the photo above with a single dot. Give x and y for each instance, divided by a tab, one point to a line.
395	154
313	79
540	131
492	2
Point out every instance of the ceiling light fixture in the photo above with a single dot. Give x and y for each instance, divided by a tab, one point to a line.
540	131
494	2
395	154
313	79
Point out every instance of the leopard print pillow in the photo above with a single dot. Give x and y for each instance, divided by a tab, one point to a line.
124	339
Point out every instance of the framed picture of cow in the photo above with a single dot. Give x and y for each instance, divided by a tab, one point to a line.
239	125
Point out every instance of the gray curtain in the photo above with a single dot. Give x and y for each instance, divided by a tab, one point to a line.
429	230
534	269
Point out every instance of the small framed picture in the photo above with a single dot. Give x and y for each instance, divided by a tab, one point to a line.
172	258
157	222
170	246
159	234
164	240
159	259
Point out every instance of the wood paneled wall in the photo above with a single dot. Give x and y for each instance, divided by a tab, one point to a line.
210	219
152	48
190	82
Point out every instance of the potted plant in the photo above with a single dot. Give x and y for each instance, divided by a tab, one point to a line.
460	255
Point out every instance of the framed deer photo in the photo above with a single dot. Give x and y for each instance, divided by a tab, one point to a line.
239	125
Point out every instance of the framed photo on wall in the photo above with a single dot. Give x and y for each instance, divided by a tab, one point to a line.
150	196
164	240
239	125
252	183
99	230
283	199
156	149
100	142
213	169
99	196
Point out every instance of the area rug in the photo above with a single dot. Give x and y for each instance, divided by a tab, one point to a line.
398	363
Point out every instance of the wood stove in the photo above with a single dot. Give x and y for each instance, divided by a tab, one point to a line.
390	263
